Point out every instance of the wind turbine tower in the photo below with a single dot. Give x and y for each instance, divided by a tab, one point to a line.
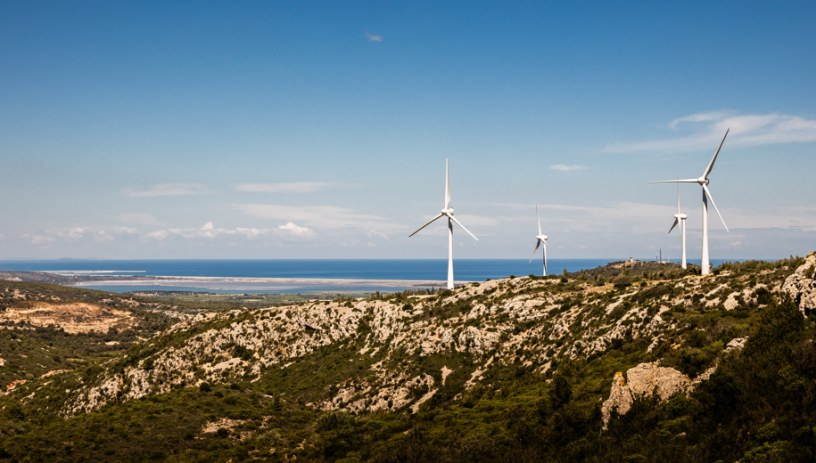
703	182
541	238
680	219
448	212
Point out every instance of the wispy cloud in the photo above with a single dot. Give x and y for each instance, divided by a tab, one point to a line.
111	233
373	37
138	218
293	187
329	217
74	233
78	234
632	217
166	189
209	231
746	130
566	168
295	230
39	239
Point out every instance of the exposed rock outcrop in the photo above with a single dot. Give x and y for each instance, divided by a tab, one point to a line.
735	344
649	378
78	317
643	380
801	285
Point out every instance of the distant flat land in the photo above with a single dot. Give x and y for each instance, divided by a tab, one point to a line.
246	299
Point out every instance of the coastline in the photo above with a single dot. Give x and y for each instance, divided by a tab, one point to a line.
261	284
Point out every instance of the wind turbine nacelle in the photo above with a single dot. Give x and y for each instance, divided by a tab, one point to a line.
702	181
681	216
542	237
448	211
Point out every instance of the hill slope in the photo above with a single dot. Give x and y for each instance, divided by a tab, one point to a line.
513	369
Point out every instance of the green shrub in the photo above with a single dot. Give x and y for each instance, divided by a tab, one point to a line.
622	281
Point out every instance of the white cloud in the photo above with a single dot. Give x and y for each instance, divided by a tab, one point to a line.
110	233
631	217
158	235
251	233
700	117
74	233
330	217
137	218
167	189
566	168
292	187
209	231
39	239
373	37
295	230
745	130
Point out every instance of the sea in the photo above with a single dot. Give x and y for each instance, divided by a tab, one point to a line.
398	270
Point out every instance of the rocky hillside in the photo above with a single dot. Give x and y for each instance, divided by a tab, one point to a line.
544	368
530	323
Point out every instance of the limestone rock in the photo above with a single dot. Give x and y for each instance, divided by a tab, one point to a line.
802	288
643	380
735	344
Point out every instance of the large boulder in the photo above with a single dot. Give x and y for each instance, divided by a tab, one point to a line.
802	287
643	380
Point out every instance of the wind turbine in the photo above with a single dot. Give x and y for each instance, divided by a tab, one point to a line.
448	212
703	182
680	218
541	238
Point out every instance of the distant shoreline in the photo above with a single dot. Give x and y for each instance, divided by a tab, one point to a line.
254	283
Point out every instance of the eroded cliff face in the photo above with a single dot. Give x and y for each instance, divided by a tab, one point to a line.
526	323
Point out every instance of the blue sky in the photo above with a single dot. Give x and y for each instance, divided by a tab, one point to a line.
321	129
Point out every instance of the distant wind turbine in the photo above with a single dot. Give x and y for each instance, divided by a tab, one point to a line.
703	182
680	219
447	211
541	238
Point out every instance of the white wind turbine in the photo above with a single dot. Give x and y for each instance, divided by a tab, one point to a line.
703	181
680	218
447	211
541	238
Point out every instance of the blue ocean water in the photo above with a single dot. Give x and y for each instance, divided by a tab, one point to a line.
379	269
362	269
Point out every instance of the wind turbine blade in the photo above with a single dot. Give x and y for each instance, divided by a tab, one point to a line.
676	221
538	243
690	180
430	222
539	220
463	227
447	184
708	193
711	164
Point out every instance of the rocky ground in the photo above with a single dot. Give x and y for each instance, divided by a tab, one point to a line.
530	322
